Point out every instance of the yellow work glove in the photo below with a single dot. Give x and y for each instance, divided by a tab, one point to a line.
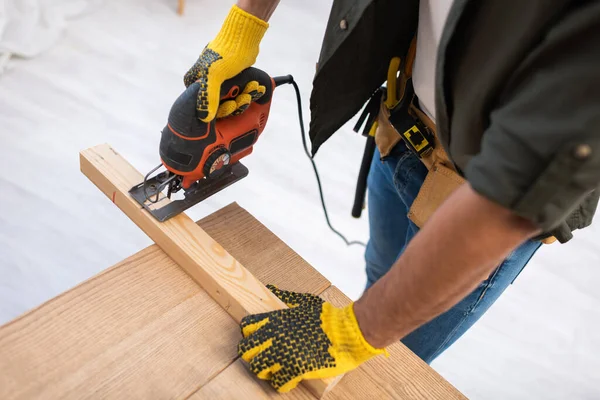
234	49
310	340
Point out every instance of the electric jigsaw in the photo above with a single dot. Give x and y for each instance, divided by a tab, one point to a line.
203	158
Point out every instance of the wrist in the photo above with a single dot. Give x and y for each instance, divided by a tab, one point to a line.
371	347
367	325
241	33
341	327
261	9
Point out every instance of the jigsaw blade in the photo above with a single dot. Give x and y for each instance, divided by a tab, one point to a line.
148	193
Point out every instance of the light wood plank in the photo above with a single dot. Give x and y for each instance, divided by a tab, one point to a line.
237	382
141	329
259	250
206	261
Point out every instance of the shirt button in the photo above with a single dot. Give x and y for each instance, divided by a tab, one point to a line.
583	151
343	24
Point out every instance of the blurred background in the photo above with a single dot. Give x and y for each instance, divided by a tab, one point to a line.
76	73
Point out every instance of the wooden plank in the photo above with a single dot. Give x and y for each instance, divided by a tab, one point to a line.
259	250
206	261
245	386
141	329
401	376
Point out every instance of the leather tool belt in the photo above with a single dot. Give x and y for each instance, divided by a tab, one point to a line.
393	115
407	123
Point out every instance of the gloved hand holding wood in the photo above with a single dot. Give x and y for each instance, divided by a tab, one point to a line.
234	49
311	339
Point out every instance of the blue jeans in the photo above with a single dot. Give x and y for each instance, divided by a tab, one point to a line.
393	185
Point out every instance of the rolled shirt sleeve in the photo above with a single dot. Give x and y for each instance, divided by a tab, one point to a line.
540	155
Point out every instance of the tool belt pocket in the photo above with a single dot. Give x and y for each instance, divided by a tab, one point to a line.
439	184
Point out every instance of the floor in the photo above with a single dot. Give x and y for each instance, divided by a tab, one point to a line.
113	78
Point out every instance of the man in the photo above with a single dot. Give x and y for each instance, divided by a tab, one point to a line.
514	91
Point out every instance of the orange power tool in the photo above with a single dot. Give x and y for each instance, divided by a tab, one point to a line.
204	158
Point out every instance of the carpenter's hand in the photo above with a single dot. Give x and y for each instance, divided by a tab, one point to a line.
234	49
310	340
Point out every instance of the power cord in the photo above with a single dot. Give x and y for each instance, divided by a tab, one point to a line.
290	79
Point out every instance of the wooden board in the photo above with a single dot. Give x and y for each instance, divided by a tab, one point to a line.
246	386
258	249
401	376
141	329
145	329
205	260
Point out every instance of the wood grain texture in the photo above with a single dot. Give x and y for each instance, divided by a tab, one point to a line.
259	250
245	386
401	376
206	261
141	329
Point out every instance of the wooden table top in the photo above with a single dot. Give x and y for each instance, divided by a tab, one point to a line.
144	329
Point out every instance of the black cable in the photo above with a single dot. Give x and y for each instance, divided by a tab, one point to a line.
312	161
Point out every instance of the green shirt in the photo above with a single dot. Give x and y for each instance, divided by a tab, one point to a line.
517	95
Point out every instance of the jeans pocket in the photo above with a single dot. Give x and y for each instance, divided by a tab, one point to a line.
409	176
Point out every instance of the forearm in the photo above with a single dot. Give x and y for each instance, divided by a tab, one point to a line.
262	9
459	247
